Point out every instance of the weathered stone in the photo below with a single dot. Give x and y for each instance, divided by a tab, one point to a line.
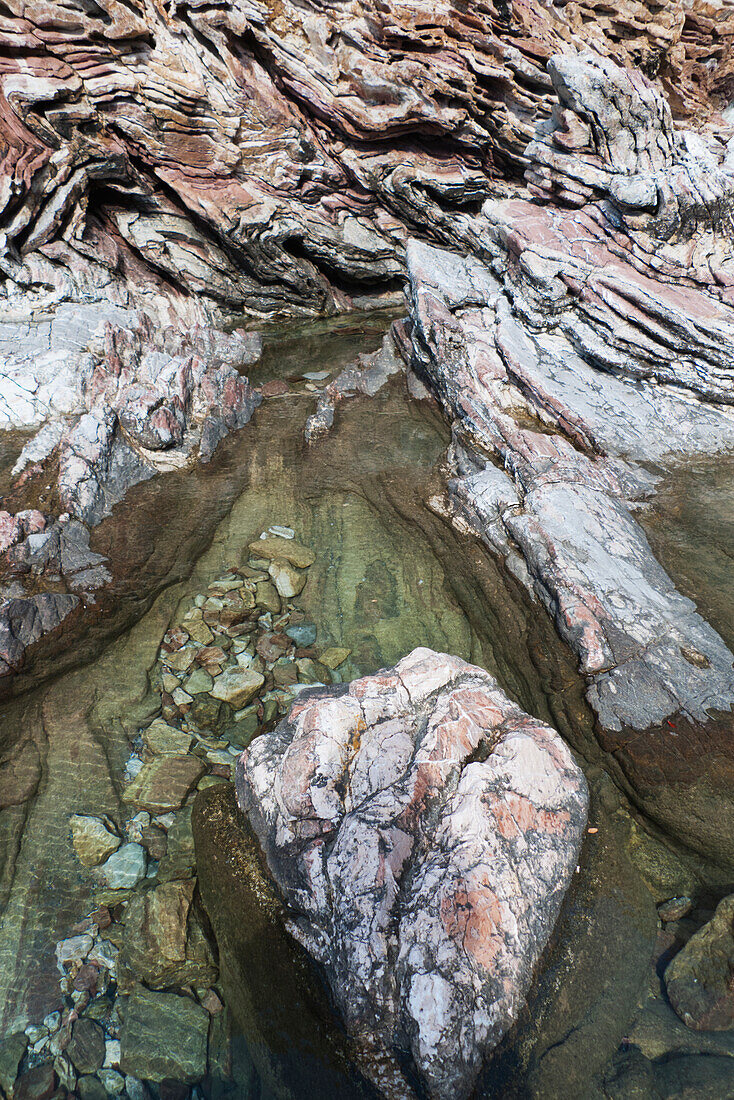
87	1046
165	740
237	686
362	768
698	980
93	841
266	596
163	945
124	868
288	580
163	1035
284	550
334	656
164	783
12	1049
556	507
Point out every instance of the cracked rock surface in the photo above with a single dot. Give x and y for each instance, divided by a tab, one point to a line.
423	831
256	156
590	352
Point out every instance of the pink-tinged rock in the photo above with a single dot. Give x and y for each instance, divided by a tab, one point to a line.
423	831
10	530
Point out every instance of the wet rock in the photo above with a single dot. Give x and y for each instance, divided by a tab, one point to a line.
362	768
334	657
699	979
200	632
272	646
288	580
269	982
237	686
164	783
674	909
283	550
87	978
680	1077
312	672
91	1088
74	949
198	683
163	1035
266	596
163	944
246	725
179	861
165	740
303	634
212	658
36	1084
125	868
285	673
93	841
12	1049
155	842
112	1081
87	1046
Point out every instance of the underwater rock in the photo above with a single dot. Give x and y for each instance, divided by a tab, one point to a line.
93	841
164	783
698	981
423	831
163	1035
124	868
163	945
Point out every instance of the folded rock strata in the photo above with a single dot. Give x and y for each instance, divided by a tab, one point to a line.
589	345
113	404
423	831
267	157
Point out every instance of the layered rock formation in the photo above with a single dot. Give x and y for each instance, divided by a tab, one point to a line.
423	831
597	340
266	157
115	405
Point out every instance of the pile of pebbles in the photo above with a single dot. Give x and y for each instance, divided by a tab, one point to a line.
141	1014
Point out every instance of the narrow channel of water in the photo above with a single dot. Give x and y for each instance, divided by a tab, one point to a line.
388	575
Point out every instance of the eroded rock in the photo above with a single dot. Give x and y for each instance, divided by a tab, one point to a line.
699	979
423	830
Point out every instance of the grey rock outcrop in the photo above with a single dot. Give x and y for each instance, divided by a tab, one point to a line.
569	359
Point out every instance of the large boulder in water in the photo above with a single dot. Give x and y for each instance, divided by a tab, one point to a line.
423	831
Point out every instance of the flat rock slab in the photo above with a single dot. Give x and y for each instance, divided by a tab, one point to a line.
163	1035
164	783
423	831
